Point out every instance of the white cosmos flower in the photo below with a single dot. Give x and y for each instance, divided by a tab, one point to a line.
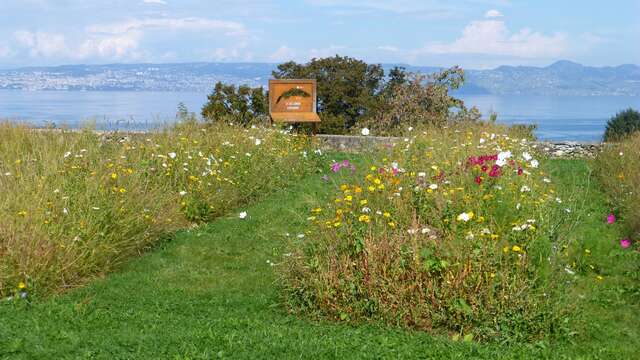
422	174
433	186
364	131
534	163
526	156
243	215
525	188
503	155
172	155
501	162
66	155
183	193
464	217
482	140
258	141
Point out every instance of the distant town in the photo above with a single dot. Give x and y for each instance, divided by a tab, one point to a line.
559	78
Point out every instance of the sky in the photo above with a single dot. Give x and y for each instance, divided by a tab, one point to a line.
475	34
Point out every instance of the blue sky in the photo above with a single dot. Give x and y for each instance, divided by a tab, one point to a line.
470	33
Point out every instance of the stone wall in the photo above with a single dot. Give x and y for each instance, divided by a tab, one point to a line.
564	149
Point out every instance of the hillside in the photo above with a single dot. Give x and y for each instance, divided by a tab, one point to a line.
560	78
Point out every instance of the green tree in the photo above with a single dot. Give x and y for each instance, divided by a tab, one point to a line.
410	99
259	105
347	88
623	124
217	106
241	104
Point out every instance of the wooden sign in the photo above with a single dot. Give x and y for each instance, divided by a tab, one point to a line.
293	100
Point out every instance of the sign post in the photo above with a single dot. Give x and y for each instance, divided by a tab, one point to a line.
293	101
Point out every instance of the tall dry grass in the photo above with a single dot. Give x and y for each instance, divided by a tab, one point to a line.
74	205
618	169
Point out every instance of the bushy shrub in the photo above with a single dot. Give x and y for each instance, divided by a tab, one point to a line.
76	204
618	169
453	230
623	124
419	99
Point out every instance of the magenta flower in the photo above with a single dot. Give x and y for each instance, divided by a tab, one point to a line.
611	219
625	243
495	171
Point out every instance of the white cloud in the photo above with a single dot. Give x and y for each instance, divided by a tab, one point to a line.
42	43
493	13
155	2
176	24
493	37
283	53
331	50
389	48
123	40
5	51
112	47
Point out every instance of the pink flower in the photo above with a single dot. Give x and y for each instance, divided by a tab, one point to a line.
495	171
625	243
335	167
611	219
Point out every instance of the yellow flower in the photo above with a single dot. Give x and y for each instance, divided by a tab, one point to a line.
22	285
516	248
364	218
348	198
22	213
114	176
386	214
344	187
122	190
317	210
363	202
358	189
371	188
392	224
505	249
494	236
337	224
377	181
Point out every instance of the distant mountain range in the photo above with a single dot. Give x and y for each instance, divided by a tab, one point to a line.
560	78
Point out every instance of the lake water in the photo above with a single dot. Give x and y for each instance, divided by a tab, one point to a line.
557	117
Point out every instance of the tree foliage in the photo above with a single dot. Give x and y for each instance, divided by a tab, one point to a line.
353	94
347	87
622	125
410	99
240	104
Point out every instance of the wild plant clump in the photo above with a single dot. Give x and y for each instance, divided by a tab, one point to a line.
622	125
453	230
617	168
76	204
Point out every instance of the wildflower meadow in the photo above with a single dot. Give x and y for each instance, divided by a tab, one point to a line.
463	240
77	204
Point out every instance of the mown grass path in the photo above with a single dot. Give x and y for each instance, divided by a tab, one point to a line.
210	293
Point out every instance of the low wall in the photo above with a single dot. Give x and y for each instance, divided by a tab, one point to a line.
557	149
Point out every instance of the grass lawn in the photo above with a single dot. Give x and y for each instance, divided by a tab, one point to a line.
210	293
